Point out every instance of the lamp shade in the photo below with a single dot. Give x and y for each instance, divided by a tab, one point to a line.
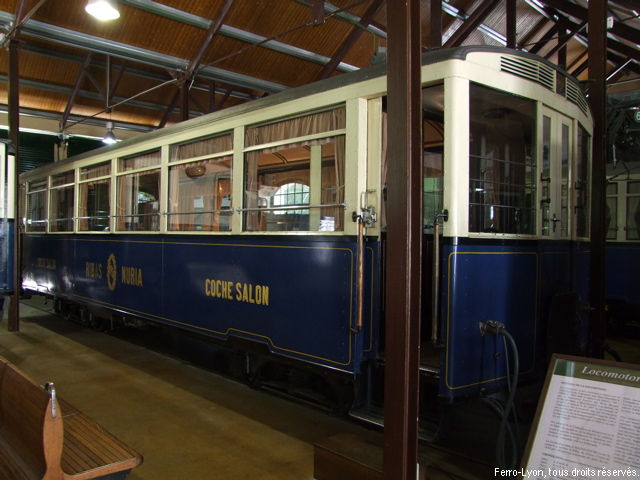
102	9
109	137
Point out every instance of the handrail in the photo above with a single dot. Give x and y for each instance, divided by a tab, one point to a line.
290	207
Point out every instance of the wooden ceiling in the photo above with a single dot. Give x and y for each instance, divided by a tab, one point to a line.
166	60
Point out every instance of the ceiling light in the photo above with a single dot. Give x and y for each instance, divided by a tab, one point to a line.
109	137
102	9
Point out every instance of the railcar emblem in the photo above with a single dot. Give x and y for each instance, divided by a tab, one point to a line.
112	272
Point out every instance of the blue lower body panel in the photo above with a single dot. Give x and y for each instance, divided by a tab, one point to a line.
298	298
6	256
510	284
622	267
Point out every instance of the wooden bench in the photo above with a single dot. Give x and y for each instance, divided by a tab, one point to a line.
42	437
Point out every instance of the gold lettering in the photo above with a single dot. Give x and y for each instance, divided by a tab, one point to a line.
131	276
244	292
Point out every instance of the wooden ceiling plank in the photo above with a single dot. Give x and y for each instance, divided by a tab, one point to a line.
612	44
351	39
470	25
619	29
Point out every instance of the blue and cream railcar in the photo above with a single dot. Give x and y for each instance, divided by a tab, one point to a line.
266	221
622	284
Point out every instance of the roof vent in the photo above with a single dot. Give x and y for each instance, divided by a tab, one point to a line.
575	95
529	69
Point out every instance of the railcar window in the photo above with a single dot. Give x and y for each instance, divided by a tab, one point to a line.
545	176
298	171
61	202
502	182
633	210
611	214
36	217
200	190
432	148
564	181
582	185
138	193
94	198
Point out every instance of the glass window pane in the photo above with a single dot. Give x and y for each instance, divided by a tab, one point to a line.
545	176
268	170
201	147
139	201
432	150
93	206
502	186
582	184
611	218
95	171
144	160
200	195
332	184
633	217
37	212
564	185
633	187
61	210
37	184
63	178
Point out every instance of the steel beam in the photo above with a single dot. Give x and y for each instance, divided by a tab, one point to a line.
597	17
74	91
511	24
404	241
435	24
233	32
351	39
470	25
65	36
194	64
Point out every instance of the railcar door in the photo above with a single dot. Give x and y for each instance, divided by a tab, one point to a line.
554	175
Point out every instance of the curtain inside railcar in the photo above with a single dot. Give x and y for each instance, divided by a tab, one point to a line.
200	184
297	184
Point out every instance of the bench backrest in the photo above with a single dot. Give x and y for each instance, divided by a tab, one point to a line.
28	424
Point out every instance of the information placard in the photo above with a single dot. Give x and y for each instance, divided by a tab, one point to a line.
587	424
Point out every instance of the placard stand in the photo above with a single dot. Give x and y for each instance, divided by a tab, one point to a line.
587	424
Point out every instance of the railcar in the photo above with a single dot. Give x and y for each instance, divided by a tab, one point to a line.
265	223
622	285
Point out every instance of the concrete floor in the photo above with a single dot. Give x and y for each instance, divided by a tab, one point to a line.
188	423
191	423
